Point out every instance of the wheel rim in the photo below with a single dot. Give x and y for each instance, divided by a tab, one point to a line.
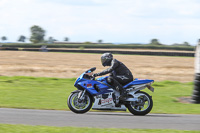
142	104
79	105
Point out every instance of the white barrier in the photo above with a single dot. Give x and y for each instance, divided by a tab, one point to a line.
196	90
197	58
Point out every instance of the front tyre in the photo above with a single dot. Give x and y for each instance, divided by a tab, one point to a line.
78	106
142	106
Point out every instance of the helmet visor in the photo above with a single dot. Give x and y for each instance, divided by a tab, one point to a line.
103	61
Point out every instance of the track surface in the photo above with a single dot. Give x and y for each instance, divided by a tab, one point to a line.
99	119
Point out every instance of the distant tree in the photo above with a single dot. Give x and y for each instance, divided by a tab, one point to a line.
186	44
3	38
51	40
66	39
37	34
21	38
100	41
175	44
87	42
181	44
155	42
55	40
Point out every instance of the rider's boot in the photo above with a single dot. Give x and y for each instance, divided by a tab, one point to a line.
119	99
117	104
123	95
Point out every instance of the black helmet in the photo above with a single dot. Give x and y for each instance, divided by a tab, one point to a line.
106	59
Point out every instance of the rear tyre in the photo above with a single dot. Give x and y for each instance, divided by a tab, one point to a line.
141	107
77	106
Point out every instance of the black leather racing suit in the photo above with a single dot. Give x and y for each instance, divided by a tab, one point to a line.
119	74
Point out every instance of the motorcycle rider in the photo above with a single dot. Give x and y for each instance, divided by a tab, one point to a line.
119	73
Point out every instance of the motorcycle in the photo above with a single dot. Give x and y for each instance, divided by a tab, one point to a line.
103	97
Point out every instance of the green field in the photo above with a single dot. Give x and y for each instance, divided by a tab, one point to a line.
5	128
52	93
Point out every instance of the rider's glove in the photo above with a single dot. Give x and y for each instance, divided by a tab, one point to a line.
95	75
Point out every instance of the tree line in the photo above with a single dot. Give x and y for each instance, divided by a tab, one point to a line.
38	34
21	38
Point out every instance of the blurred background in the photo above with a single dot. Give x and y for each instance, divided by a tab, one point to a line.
113	21
46	44
167	28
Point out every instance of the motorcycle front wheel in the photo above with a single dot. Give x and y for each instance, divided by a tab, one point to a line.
78	106
141	107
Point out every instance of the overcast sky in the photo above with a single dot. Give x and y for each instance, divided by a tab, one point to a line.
126	21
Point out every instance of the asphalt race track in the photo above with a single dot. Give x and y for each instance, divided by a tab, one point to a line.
99	119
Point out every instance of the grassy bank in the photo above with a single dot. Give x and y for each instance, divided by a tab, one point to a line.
52	93
36	93
5	128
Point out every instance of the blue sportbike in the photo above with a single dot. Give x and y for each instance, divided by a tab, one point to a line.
100	95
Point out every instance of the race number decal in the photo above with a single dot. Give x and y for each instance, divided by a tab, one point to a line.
106	101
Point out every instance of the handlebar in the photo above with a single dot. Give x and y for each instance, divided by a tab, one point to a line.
89	76
91	70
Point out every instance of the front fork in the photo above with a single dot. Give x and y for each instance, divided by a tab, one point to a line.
81	96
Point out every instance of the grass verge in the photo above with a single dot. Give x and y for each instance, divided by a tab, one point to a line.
5	128
52	93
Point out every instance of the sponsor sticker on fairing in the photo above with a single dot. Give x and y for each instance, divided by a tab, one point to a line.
89	85
106	100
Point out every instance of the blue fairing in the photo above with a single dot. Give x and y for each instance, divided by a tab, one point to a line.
103	80
89	85
138	82
100	85
79	79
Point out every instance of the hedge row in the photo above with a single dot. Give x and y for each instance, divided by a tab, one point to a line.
103	51
103	46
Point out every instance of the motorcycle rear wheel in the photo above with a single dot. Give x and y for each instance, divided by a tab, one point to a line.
142	107
79	107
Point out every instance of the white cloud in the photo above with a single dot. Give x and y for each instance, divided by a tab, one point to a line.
171	21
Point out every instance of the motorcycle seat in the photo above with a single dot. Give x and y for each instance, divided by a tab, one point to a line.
137	82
